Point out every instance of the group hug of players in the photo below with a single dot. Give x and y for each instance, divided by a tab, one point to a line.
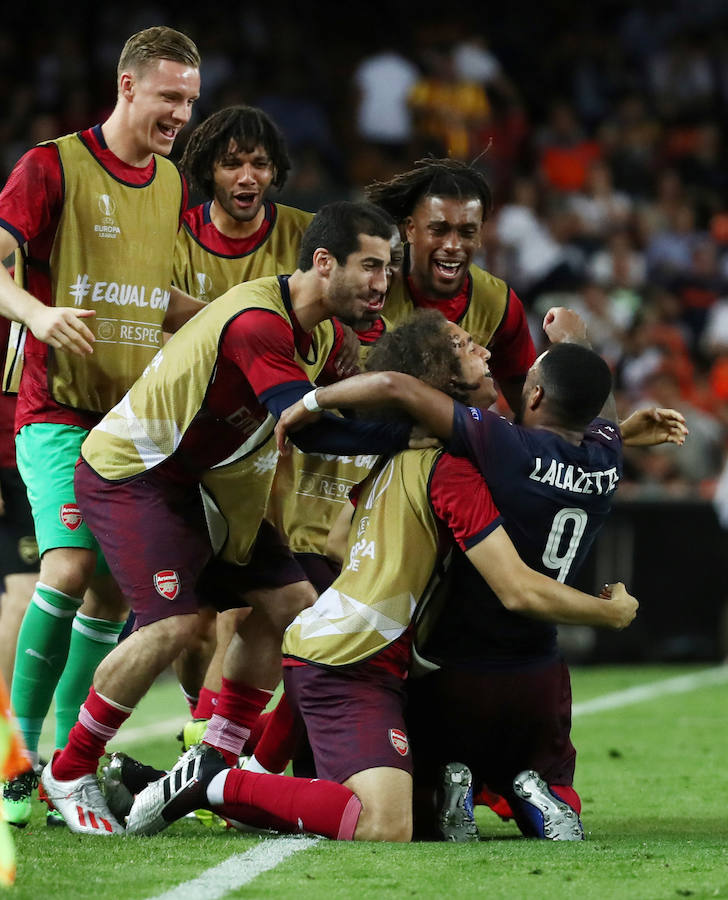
401	567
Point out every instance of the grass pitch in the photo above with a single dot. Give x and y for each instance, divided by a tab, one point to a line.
652	777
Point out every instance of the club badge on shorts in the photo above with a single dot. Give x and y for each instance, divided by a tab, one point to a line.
398	739
167	583
71	516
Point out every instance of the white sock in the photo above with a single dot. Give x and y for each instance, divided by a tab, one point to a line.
216	788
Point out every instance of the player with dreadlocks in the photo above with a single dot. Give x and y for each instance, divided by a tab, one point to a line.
440	206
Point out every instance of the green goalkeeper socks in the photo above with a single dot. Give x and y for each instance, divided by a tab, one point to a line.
91	641
43	643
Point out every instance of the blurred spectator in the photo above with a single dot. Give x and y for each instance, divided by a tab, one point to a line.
382	133
382	81
698	288
599	209
446	108
630	137
669	250
606	322
618	263
681	78
565	152
679	469
530	256
500	145
654	336
302	117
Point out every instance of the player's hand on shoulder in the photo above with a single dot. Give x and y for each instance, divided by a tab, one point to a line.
624	605
62	327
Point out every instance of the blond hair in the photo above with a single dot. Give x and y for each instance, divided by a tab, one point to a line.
158	42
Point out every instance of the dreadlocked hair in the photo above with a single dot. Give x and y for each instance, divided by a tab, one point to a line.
247	127
430	178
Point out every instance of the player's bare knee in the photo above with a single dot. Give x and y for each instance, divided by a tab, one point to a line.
68	569
381	825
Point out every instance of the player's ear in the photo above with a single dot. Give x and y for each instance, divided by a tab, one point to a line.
536	396
126	85
323	261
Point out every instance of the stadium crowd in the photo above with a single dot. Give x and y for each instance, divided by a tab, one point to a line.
607	197
605	150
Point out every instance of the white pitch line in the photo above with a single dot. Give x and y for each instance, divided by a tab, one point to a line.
643	692
238	870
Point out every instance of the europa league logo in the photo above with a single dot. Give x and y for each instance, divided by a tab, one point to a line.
107	208
204	285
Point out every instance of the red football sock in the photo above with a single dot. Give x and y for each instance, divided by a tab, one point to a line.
98	721
206	704
256	733
278	742
291	804
238	707
567	793
498	804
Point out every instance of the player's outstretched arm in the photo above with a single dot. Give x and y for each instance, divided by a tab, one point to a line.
374	390
646	427
61	327
523	590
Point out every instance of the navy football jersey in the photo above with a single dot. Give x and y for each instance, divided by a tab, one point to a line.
554	497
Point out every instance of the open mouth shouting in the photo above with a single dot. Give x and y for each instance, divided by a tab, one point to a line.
448	269
245	199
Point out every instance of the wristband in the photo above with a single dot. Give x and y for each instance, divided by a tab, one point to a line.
309	401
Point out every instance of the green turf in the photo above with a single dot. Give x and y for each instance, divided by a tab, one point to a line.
651	776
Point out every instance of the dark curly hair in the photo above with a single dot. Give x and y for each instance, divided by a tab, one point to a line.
430	178
422	347
248	127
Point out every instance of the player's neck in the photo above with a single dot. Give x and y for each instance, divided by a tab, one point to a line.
232	228
306	298
568	434
122	142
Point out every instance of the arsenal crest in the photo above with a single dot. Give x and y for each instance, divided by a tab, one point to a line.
70	516
398	740
167	584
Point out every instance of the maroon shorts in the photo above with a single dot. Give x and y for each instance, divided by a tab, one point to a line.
354	718
223	585
154	537
497	722
320	570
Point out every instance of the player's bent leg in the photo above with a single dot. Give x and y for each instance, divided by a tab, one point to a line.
289	805
192	664
131	668
386	798
120	682
256	657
